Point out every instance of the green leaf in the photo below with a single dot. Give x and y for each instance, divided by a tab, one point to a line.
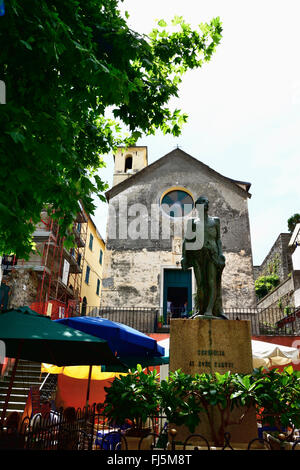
26	44
162	23
289	370
177	20
236	394
16	136
4	208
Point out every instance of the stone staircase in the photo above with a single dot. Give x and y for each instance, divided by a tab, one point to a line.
28	374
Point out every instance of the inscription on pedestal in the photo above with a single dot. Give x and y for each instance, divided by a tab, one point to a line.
212	358
204	345
210	346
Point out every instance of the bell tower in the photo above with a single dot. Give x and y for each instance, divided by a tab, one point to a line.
129	161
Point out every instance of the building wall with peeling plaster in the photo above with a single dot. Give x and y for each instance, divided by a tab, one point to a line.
132	273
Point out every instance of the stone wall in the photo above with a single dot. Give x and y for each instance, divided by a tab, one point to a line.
237	281
145	268
278	256
280	297
133	278
256	272
24	286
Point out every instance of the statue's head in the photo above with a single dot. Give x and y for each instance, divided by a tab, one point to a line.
202	200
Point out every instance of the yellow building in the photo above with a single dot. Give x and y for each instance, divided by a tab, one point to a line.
91	282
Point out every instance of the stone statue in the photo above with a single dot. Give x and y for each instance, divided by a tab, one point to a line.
207	261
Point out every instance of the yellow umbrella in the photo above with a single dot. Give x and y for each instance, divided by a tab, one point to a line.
80	372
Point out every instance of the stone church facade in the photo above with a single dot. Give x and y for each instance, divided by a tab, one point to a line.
144	233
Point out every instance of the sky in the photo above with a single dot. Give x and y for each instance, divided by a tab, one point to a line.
243	106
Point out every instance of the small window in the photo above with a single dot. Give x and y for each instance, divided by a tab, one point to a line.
98	287
87	274
128	163
79	259
91	242
78	227
101	257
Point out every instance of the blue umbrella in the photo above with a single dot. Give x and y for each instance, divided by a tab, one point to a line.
123	340
2	8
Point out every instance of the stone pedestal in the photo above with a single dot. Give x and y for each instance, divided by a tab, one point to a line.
204	345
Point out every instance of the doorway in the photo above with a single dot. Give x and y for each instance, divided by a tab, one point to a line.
177	292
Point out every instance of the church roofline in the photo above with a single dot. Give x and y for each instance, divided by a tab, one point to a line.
124	184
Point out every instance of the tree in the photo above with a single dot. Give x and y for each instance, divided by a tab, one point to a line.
293	221
65	63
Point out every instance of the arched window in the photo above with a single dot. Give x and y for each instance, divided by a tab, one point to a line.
98	287
91	242
84	305
128	163
87	274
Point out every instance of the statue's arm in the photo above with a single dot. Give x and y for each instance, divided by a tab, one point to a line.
219	242
185	260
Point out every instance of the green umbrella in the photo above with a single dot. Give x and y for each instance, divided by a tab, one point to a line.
37	338
34	337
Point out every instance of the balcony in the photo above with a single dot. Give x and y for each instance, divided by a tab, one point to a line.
41	235
79	239
75	267
35	263
81	217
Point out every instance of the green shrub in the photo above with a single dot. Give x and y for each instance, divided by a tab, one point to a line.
278	398
132	397
265	284
184	398
276	395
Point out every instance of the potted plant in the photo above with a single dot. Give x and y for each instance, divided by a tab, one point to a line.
160	321
279	404
133	398
185	399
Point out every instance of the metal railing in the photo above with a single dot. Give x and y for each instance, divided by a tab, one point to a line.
143	319
89	429
85	429
270	321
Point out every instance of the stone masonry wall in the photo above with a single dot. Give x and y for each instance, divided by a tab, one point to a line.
24	285
280	297
133	279
278	255
256	272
